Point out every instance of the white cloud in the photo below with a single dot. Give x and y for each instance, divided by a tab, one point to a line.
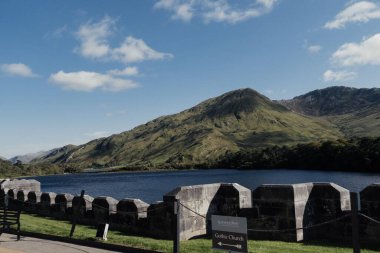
334	76
95	45
215	10
17	69
128	71
98	134
89	81
366	52
314	49
359	12
136	50
93	37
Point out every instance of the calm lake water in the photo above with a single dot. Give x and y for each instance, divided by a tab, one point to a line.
152	186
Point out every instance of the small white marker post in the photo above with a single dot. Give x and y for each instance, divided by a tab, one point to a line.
102	231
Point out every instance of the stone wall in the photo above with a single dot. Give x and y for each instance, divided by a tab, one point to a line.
288	210
294	206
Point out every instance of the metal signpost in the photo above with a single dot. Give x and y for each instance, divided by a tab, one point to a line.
229	233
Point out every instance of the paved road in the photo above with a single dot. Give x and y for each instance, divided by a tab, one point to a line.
9	244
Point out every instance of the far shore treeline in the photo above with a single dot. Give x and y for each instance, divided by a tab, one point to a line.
359	154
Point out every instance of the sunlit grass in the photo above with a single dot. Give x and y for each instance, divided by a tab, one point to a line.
33	223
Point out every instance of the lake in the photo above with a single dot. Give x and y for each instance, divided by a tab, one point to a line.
151	186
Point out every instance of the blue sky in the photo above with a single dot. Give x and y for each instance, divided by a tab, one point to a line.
72	71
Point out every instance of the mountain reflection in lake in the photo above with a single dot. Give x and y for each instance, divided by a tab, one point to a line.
151	186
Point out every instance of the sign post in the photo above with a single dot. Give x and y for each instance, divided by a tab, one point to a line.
229	233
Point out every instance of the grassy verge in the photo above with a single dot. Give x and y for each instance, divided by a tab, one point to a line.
32	223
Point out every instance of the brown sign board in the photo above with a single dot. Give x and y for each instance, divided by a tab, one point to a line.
229	233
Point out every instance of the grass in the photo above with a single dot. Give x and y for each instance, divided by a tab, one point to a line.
33	223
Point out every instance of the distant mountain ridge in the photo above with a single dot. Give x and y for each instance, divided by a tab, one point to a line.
29	157
332	101
202	134
355	111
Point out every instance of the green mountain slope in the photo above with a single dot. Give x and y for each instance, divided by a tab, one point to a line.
202	134
355	111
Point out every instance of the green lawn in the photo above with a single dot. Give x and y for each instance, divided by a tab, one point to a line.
33	223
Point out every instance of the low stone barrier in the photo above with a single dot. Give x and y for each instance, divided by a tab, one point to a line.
47	202
23	184
3	193
284	209
103	207
206	200
34	201
160	220
287	207
130	211
63	205
22	198
370	206
12	199
82	209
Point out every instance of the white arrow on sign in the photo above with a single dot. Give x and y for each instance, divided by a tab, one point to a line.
238	246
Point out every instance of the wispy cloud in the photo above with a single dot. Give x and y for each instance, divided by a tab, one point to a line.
367	52
94	44
57	33
17	69
97	134
89	81
336	76
128	71
215	10
116	113
358	12
313	49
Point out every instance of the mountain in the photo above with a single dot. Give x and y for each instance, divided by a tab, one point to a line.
202	134
29	157
55	155
355	111
337	100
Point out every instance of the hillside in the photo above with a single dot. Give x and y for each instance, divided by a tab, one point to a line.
5	167
202	134
355	111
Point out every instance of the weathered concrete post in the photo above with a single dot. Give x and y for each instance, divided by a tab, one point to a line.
47	201
75	219
103	207
12	199
177	226
34	200
130	211
370	206
3	193
82	205
355	222
205	200
22	198
63	204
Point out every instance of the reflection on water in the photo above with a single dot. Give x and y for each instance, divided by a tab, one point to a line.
151	186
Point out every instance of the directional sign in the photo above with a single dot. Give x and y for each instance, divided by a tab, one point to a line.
229	233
